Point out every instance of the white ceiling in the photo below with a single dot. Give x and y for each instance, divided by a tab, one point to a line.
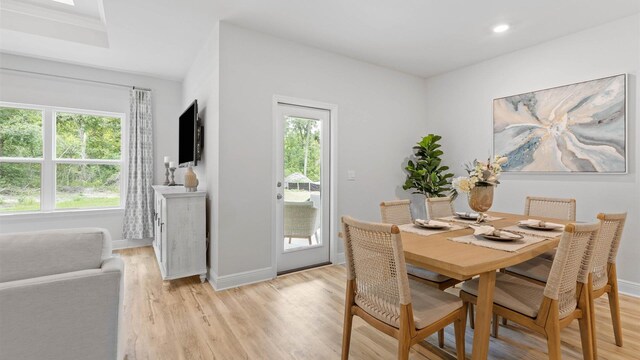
421	37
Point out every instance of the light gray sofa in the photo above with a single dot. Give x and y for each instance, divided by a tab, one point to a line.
60	296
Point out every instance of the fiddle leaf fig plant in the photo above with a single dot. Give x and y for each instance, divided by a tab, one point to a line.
425	174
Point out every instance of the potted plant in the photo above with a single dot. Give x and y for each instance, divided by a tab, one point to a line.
425	174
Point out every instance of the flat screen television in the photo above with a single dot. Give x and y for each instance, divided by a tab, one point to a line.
189	136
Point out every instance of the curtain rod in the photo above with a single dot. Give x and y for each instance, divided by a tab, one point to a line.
74	78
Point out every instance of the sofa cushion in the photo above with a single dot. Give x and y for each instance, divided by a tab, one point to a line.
40	253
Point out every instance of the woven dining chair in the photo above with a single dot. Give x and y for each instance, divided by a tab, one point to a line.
439	207
556	208
380	292
398	212
603	270
550	308
604	279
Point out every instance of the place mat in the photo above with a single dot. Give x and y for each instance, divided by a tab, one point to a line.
540	233
410	228
454	218
510	246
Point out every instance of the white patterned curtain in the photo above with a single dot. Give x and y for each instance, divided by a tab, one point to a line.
138	214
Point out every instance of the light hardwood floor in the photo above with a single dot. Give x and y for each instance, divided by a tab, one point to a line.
299	316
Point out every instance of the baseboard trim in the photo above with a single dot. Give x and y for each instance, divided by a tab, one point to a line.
629	288
231	281
339	259
127	244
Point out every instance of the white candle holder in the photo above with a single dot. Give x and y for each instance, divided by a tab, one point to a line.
173	178
166	174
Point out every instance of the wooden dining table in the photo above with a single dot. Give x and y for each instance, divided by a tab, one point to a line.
462	261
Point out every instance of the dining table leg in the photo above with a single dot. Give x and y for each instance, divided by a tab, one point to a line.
484	309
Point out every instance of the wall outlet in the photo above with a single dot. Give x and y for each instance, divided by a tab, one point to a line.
351	175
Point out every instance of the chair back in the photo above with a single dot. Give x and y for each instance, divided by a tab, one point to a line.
571	265
396	212
439	207
375	261
299	219
556	208
606	248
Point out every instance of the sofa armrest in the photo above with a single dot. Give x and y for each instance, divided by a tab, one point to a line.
116	265
39	253
112	264
74	315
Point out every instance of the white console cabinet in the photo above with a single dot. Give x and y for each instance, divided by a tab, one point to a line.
180	235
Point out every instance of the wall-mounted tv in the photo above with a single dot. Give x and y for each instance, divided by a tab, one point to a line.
190	137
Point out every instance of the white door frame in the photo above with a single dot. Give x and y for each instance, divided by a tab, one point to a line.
333	169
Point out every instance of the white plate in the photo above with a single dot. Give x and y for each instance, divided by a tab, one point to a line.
465	217
536	227
428	226
499	238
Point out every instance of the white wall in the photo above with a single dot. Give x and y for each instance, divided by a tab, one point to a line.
202	83
381	116
461	102
43	90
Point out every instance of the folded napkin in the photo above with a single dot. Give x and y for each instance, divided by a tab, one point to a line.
540	223
490	230
432	223
467	214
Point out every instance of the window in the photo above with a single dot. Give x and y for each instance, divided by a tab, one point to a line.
55	159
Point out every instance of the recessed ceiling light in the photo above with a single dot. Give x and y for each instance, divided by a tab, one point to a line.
67	2
500	28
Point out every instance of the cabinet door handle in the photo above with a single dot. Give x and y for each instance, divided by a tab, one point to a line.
161	225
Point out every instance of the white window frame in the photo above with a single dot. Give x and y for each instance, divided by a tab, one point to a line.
48	161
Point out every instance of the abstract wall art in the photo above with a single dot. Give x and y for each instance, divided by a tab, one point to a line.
578	128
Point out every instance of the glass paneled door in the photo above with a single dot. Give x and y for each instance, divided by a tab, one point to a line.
302	187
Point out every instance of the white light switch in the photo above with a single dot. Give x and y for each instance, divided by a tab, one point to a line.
351	175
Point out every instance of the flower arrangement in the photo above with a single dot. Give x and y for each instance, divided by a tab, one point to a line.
480	173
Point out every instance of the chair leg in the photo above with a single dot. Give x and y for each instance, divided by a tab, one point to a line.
592	313
553	341
441	338
585	337
494	326
348	319
404	344
309	240
472	320
459	328
614	307
289	240
504	321
346	336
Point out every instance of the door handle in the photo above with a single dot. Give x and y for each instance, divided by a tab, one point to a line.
279	196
